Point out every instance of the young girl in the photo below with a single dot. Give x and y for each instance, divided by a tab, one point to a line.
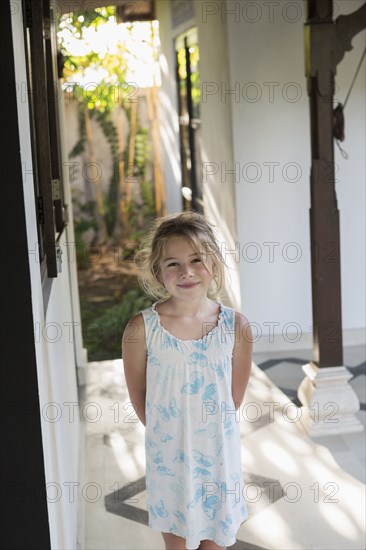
187	362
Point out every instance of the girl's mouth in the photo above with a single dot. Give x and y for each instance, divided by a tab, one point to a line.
191	285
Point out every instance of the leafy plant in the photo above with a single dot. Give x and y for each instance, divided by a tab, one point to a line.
95	55
83	222
102	333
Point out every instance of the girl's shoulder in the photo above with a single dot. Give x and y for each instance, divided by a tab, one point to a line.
135	322
242	328
240	318
134	333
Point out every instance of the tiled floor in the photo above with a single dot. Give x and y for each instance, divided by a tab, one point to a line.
302	493
286	372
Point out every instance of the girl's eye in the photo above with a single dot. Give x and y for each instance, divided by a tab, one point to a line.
173	264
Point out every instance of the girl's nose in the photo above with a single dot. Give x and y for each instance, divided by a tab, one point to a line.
186	269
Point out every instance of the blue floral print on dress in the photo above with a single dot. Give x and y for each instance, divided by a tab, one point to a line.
192	437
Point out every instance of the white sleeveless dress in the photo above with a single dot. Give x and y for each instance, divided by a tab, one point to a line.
194	481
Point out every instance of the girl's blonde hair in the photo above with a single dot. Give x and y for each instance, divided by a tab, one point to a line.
198	231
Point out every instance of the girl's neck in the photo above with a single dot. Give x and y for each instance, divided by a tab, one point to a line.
191	308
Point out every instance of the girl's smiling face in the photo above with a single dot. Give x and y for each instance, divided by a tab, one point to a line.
182	271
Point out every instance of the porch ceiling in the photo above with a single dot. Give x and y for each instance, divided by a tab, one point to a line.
138	10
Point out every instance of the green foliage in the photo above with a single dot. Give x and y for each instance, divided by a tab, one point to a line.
148	200
103	328
79	146
136	236
110	200
102	333
109	129
83	221
195	77
142	150
78	27
77	33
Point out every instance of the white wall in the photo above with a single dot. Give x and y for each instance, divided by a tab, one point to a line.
270	117
55	349
217	142
216	137
168	111
350	186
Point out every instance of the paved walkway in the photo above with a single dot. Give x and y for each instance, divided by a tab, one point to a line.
302	493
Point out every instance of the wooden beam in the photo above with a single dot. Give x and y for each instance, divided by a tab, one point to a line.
127	10
325	44
347	26
324	214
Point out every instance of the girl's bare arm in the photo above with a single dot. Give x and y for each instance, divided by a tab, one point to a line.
134	355
242	358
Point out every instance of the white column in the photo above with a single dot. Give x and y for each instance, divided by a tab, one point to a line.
329	401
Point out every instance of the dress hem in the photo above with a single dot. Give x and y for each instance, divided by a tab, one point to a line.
189	546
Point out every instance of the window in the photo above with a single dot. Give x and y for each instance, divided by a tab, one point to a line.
41	53
188	83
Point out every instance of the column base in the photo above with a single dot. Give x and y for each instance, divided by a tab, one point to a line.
329	402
